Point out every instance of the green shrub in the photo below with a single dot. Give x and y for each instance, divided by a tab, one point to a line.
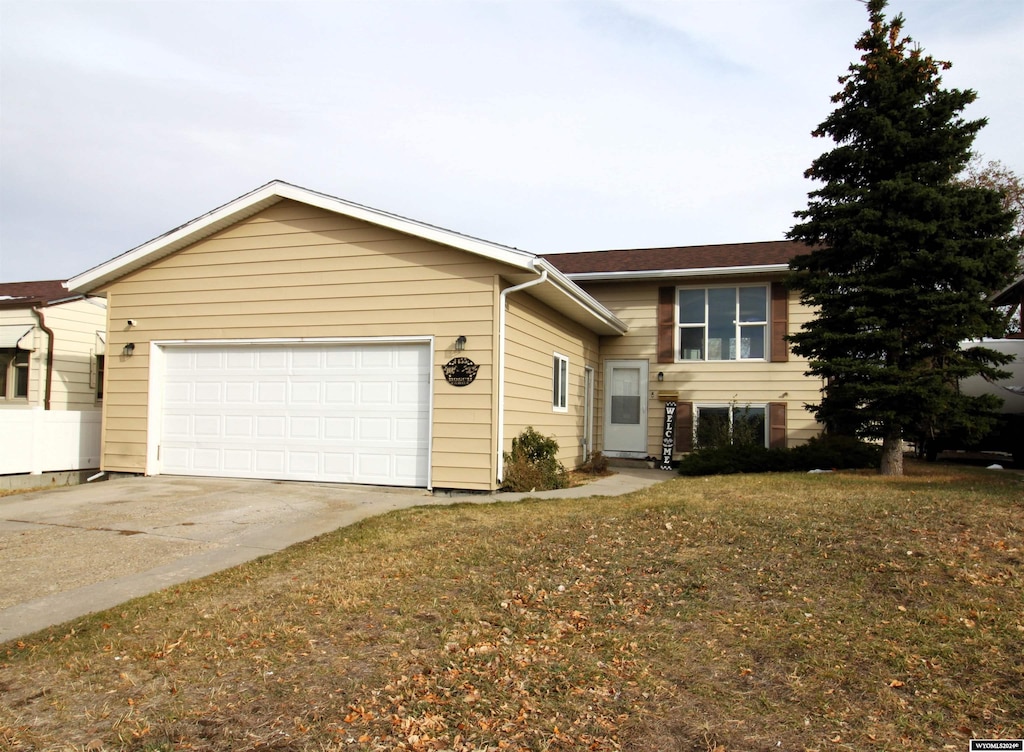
835	453
822	453
532	465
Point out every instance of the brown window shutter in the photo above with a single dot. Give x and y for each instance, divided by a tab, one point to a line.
780	323
684	427
666	324
777	425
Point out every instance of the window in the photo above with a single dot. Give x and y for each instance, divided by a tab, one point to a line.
13	374
101	362
722	323
560	382
719	425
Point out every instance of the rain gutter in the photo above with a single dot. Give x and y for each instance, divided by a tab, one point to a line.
49	357
502	305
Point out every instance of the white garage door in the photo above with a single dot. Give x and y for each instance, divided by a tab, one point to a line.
346	413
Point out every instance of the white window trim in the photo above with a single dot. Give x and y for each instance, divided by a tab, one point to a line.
560	383
763	406
766	323
11	368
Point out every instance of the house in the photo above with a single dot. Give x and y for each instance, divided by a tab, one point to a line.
51	378
706	328
51	347
293	335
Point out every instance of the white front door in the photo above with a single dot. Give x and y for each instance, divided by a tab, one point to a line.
625	407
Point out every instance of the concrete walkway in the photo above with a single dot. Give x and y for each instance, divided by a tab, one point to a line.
71	551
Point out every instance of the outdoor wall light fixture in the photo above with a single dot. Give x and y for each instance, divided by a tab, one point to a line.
661	375
460	343
128	350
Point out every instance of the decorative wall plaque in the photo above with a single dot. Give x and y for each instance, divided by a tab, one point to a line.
460	371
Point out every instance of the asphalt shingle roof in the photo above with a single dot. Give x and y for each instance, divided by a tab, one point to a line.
42	292
683	257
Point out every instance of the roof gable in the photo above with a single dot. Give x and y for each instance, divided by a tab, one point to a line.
559	292
268	195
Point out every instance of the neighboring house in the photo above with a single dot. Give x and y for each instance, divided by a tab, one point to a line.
1012	299
51	347
51	378
293	335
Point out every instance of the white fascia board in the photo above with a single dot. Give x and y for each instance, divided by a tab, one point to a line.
713	271
266	196
570	289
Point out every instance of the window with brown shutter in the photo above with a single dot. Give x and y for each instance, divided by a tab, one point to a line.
666	324
780	322
684	427
777	425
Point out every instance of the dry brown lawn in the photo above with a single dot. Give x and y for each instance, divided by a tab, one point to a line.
759	612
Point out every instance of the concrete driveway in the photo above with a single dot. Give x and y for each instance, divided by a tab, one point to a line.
70	551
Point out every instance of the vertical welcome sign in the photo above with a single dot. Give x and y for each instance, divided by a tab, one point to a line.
668	437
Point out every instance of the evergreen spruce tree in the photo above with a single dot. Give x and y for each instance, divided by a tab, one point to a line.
902	255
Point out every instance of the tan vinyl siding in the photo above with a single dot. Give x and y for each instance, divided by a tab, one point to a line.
292	271
704	382
534	333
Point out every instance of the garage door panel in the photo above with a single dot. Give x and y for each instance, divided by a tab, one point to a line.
209	360
240	393
339	465
271	357
344	413
409	430
340	394
374	429
304	428
307	359
375	394
271	392
304	463
305	393
270	427
339	429
340	359
240	359
207	427
206	459
268	460
238	426
237	460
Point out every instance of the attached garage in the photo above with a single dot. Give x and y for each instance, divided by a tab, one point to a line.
349	412
296	336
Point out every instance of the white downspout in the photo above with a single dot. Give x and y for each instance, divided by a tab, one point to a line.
502	303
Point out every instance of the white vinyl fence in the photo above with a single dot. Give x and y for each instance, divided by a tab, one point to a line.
43	441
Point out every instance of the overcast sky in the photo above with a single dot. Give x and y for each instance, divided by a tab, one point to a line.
548	126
